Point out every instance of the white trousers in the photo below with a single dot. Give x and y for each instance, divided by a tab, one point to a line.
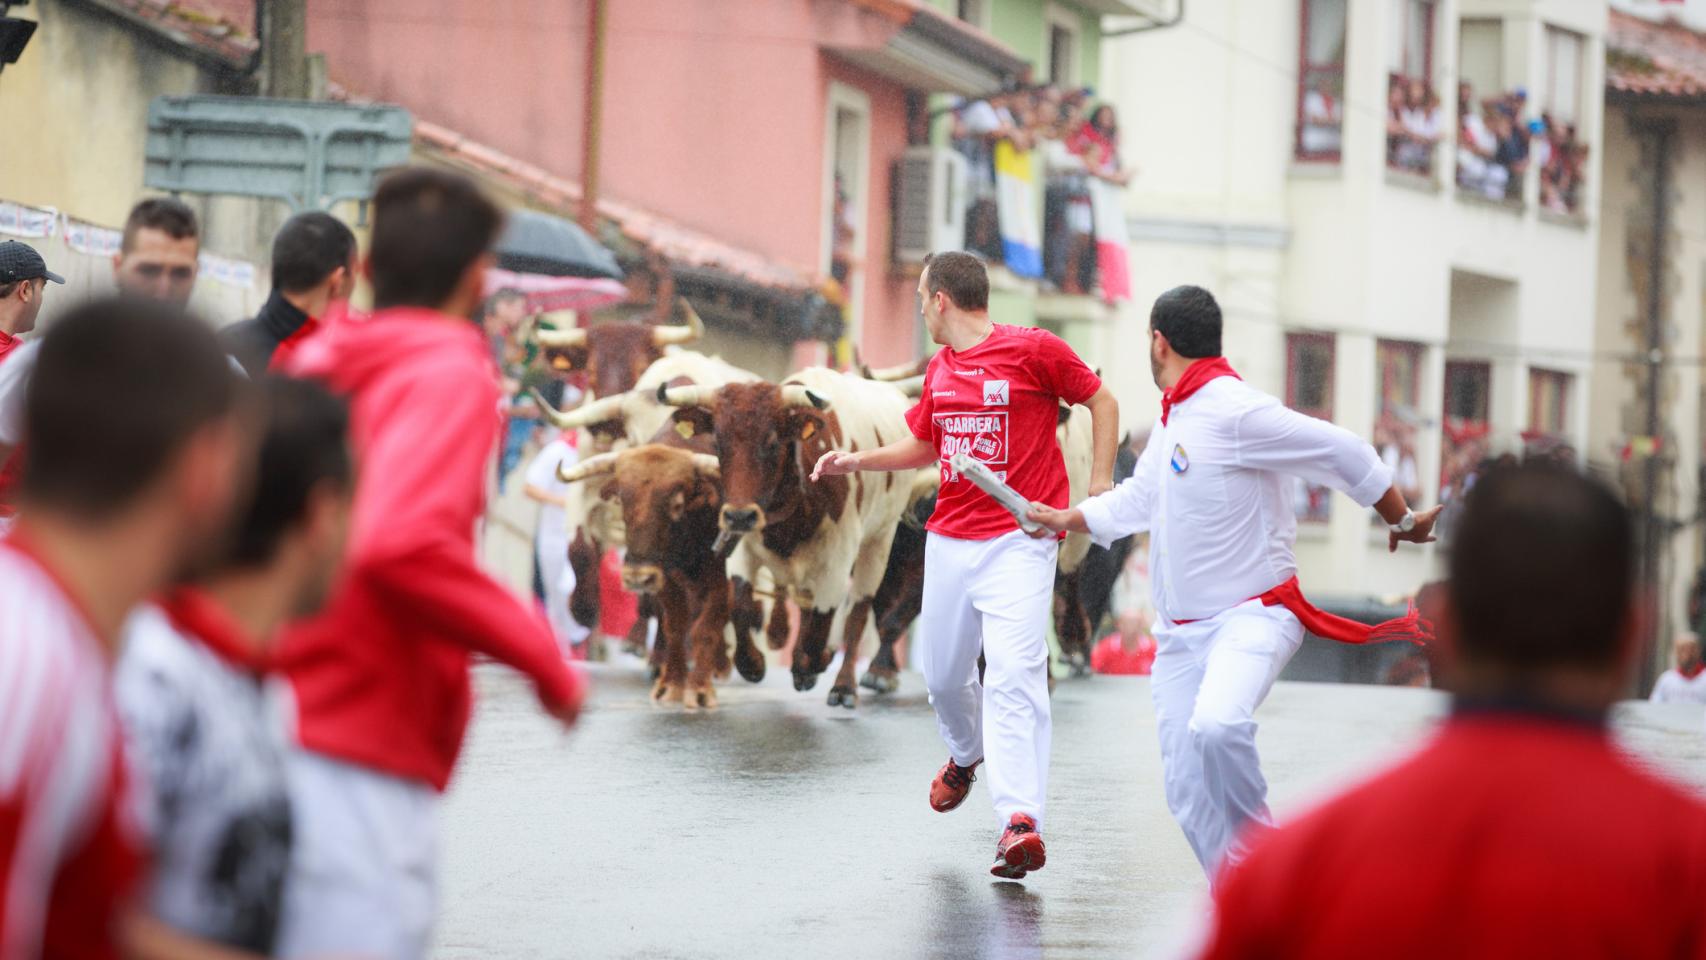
1209	678
551	547
363	865
993	597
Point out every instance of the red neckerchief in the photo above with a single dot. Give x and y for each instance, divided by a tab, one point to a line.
1690	674
1195	376
193	612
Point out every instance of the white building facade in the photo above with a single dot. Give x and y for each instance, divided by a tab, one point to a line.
1447	318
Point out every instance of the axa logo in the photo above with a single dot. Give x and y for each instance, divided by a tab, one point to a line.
995	393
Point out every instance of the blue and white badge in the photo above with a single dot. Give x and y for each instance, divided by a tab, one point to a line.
1180	462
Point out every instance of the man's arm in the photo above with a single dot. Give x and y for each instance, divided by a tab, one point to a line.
1274	437
908	454
1104	439
1123	510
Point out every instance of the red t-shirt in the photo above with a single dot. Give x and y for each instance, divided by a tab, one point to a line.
1507	836
999	402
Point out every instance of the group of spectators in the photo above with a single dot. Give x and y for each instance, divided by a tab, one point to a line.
202	521
1076	139
1496	148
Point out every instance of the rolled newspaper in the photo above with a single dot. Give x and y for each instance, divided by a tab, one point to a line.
979	473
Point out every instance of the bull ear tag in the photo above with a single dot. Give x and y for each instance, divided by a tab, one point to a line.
809	430
1180	462
684	428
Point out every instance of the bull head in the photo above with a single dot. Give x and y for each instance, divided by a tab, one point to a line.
602	410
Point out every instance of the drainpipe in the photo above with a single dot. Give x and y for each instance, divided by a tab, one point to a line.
1153	24
593	113
1653	538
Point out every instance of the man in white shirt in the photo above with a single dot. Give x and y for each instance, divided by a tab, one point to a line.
1213	488
551	536
1686	682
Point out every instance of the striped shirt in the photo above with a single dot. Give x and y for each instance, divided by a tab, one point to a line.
69	843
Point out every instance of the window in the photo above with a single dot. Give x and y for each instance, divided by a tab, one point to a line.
846	187
1463	435
974	12
1321	80
1548	400
1063	27
1309	389
1411	40
1481	58
1563	95
1398	368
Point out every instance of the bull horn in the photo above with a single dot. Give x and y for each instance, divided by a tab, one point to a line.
688	332
591	467
860	367
891	374
799	395
911	386
585	415
707	465
561	339
687	395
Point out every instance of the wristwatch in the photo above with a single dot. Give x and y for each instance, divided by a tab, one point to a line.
1406	524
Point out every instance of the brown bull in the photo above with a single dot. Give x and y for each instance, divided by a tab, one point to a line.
828	542
670	503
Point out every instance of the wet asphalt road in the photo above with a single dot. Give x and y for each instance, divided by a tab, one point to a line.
779	827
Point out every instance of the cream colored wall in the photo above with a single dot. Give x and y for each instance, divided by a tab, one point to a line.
1208	110
78	100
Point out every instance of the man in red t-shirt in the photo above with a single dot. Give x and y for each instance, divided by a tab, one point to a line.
120	498
1521	829
994	393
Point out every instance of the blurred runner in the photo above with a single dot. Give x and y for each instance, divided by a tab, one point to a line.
201	726
119	500
381	677
1685	682
551	537
23	279
313	267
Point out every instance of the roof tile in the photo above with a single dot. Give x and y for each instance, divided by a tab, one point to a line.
1654	59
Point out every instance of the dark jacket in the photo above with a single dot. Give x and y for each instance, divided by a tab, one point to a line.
254	341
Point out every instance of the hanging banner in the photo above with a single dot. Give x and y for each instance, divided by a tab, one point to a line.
1112	266
85	237
36	223
232	273
1016	207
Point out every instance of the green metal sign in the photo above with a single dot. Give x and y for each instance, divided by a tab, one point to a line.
307	154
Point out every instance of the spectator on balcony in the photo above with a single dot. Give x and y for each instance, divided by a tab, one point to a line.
1323	113
1396	102
1097	140
1512	152
1421	125
978	126
1476	147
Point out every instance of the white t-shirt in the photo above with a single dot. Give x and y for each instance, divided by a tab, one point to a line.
210	743
542	473
15	373
1673	687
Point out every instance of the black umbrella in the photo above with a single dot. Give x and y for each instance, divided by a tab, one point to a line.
540	243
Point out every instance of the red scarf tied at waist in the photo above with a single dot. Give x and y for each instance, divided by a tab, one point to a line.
1412	626
1195	377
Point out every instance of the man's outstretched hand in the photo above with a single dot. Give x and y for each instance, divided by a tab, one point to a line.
1422	532
835	464
1052	521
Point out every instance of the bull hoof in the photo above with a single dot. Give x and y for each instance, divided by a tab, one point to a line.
664	692
751	664
723	668
805	681
840	696
653	672
1080	670
701	699
880	682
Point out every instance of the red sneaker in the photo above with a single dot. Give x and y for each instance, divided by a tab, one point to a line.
951	785
1020	849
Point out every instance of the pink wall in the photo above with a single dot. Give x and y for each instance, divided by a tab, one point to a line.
714	113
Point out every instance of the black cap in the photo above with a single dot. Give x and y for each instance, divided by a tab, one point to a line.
20	261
